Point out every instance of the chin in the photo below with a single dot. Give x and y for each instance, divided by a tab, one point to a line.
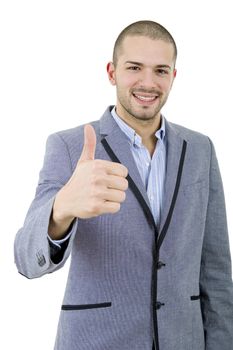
145	114
144	117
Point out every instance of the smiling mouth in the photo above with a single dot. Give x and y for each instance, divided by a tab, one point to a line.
145	98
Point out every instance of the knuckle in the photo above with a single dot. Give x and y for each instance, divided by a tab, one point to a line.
94	208
125	170
126	184
116	207
123	184
97	164
95	193
123	196
94	179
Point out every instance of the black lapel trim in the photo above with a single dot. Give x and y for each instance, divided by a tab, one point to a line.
134	188
140	198
176	190
85	306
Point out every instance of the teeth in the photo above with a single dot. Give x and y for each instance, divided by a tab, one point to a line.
145	98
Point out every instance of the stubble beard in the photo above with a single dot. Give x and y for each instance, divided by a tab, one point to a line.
145	116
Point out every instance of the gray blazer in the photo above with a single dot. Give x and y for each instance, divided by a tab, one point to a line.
132	284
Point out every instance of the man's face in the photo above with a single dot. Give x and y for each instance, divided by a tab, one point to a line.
143	76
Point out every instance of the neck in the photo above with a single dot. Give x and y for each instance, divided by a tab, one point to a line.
145	128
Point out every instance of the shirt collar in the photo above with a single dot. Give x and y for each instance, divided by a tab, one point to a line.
133	137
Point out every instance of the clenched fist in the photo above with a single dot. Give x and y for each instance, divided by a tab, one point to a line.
96	187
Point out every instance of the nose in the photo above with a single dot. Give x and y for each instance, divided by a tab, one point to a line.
147	78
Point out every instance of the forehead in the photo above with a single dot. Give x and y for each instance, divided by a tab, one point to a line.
146	50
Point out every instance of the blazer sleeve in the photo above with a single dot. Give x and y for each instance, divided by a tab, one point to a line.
216	285
31	247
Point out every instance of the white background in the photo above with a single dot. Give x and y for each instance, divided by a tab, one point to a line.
53	77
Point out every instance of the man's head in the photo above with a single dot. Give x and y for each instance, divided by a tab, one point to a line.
143	70
149	29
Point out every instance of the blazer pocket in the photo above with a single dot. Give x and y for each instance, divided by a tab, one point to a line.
195	297
85	306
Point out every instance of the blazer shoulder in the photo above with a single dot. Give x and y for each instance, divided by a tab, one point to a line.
71	138
76	133
190	135
69	142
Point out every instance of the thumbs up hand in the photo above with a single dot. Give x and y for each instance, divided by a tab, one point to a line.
96	187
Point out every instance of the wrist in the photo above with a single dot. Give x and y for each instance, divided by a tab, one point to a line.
60	214
59	222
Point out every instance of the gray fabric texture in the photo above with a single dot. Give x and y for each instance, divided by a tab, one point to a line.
112	255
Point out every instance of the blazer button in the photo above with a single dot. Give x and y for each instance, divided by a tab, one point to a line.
160	264
158	305
40	258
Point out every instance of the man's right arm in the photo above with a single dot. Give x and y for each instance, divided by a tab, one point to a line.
96	187
32	249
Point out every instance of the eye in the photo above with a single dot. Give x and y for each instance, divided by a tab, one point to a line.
162	71
135	68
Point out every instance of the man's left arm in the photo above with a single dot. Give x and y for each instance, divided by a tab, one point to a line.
216	285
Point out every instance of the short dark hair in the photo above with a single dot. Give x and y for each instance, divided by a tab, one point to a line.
150	29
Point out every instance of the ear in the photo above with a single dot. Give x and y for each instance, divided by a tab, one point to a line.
111	73
174	75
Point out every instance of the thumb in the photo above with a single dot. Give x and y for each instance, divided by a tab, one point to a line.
88	152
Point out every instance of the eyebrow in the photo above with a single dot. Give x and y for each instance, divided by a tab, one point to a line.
140	64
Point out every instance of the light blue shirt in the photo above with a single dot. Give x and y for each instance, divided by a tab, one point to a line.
152	169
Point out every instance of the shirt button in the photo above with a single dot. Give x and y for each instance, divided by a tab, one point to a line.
160	264
159	305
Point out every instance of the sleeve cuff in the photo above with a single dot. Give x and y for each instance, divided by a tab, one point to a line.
58	242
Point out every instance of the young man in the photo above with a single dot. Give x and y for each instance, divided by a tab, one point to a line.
138	202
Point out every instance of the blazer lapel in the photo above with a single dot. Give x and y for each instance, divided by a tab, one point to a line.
175	147
120	145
